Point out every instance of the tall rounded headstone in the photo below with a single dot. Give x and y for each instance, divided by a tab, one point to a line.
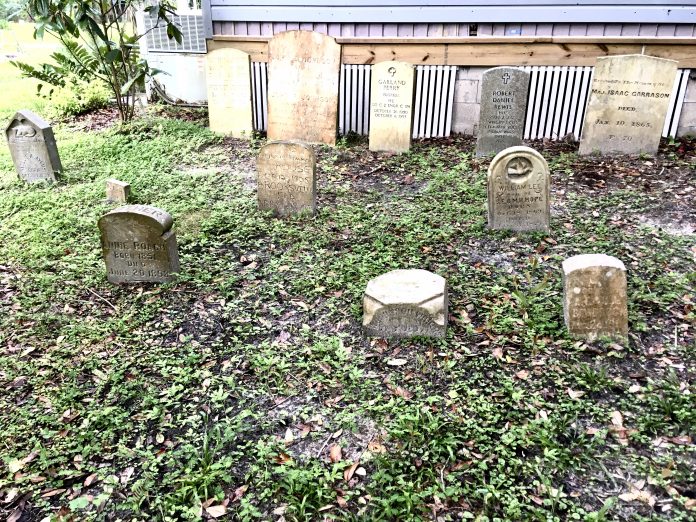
518	190
391	106
303	73
138	244
628	104
406	303
595	296
504	92
33	147
228	80
287	178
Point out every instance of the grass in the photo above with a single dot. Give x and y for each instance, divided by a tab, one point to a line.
246	387
16	42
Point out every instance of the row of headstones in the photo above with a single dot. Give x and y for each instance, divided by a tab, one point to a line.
627	104
628	101
139	246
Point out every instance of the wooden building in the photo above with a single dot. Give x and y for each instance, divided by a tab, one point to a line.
452	43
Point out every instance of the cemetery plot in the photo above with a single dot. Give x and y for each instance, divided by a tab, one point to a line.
247	387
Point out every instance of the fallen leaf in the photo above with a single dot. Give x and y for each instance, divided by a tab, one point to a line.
522	374
216	511
498	353
335	453
283	458
348	473
396	362
575	394
288	439
375	446
239	492
90	480
400	392
617	419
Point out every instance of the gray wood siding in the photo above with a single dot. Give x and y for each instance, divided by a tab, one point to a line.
439	11
454	29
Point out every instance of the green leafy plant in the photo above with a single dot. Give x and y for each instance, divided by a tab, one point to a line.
100	43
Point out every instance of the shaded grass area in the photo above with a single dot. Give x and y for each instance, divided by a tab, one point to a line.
246	386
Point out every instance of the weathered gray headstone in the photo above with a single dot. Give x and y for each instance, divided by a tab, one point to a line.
33	147
287	178
595	301
391	106
228	80
138	244
303	72
518	190
405	303
117	191
628	104
504	92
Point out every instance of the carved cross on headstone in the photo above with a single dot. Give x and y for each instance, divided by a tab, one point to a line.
506	78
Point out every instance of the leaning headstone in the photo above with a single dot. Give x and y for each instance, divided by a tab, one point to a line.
138	244
117	191
287	178
628	104
303	72
228	79
504	92
33	147
594	302
391	106
518	190
405	303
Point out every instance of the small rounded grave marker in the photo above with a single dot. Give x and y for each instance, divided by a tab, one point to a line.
138	244
405	303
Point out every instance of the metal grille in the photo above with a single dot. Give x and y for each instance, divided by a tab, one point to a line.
434	98
558	98
193	35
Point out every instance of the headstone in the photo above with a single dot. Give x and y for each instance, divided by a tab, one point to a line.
405	303
303	72
628	104
391	106
117	191
518	190
594	304
138	244
33	147
504	92
228	78
287	178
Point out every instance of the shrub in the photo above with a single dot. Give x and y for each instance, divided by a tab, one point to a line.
77	98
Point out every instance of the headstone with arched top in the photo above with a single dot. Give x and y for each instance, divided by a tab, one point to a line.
518	190
138	244
33	147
